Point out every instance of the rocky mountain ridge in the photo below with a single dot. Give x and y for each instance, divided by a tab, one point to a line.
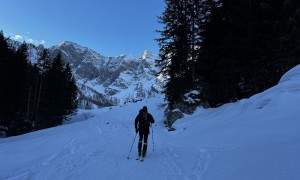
106	81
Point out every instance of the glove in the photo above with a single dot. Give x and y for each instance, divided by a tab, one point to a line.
136	130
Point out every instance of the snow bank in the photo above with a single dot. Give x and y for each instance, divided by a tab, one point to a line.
254	139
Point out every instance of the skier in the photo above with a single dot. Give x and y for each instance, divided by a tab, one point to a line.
142	123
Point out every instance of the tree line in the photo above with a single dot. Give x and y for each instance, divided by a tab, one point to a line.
226	49
33	96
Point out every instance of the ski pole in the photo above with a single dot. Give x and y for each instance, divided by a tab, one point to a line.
131	146
152	137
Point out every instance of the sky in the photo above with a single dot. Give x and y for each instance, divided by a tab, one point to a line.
110	27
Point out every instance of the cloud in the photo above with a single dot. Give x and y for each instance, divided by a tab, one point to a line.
27	39
17	37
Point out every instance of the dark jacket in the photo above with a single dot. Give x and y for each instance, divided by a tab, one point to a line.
140	122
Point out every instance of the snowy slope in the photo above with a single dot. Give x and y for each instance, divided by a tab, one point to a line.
254	139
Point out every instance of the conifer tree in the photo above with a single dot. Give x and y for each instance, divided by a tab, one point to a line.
14	78
56	91
44	62
71	103
21	124
6	56
42	98
178	43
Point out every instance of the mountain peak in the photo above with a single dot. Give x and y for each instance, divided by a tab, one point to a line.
148	55
68	43
76	47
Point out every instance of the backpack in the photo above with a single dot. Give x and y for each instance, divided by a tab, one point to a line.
144	121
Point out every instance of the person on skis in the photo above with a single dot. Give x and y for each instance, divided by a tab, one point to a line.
142	123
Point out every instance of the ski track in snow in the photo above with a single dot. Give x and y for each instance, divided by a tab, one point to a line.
174	166
93	144
172	169
87	147
73	155
204	158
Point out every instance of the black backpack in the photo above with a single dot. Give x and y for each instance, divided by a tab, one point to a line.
144	121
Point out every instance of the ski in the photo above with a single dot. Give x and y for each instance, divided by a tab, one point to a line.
142	159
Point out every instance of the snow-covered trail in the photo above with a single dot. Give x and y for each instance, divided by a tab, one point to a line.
97	148
256	138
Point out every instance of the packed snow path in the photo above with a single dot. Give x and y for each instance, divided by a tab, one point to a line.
254	139
97	148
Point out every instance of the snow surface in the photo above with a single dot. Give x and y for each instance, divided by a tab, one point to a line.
254	139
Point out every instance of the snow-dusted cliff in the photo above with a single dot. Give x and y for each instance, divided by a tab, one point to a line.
106	81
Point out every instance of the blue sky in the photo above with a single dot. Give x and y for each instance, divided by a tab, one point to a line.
110	27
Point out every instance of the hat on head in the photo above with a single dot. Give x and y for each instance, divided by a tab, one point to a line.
145	108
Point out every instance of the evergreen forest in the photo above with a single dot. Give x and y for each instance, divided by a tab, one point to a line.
226	49
33	96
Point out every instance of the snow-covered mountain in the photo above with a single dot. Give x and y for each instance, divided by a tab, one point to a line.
253	139
105	81
33	50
